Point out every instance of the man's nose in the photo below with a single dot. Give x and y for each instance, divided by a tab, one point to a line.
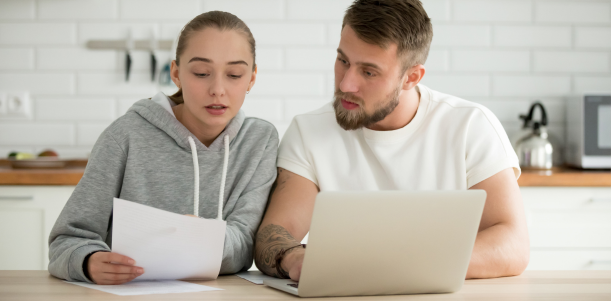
349	82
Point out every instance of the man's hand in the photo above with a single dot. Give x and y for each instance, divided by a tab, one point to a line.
112	268
293	261
285	224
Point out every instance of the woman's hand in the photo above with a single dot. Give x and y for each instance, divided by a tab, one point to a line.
112	268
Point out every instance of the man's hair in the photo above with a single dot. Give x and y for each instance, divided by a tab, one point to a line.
403	22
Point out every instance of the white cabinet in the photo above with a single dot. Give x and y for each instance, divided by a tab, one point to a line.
570	227
27	214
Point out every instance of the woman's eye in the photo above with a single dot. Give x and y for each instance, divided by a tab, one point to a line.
201	74
235	76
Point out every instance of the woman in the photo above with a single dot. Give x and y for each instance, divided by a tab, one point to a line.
149	156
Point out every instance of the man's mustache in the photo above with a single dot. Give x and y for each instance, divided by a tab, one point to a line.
349	97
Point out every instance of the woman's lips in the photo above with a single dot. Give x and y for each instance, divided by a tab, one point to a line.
216	109
349	105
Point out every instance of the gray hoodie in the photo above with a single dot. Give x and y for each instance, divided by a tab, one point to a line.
146	156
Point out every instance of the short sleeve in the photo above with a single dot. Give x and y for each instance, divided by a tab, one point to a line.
488	150
292	154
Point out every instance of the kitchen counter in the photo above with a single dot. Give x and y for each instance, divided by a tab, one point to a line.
71	175
531	285
565	176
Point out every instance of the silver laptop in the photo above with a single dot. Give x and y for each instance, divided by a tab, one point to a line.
388	243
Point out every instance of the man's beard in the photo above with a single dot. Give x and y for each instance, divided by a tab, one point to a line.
358	118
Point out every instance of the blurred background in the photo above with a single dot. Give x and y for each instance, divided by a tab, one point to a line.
502	54
58	93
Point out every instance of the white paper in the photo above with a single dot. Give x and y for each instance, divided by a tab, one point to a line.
255	277
149	287
166	244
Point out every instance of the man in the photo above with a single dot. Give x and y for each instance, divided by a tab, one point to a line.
384	131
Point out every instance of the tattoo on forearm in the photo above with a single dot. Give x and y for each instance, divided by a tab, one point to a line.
270	240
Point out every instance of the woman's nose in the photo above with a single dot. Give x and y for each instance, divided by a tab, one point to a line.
217	89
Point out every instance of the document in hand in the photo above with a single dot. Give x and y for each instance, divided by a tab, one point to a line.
166	244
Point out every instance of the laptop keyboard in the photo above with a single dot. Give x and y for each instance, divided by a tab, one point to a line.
295	285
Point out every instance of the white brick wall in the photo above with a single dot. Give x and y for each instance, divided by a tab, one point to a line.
531	85
496	11
16	59
593	37
74	108
38	83
158	9
302	34
37	33
75	59
77	9
88	133
503	54
572	61
17	10
491	60
532	36
573	12
248	9
35	134
461	35
317	9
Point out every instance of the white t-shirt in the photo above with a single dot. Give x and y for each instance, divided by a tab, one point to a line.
451	144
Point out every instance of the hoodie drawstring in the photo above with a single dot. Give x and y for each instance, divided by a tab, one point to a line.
196	176
222	192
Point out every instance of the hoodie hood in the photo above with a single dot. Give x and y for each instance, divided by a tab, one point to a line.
158	111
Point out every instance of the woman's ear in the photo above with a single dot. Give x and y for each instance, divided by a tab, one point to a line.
253	78
413	76
174	74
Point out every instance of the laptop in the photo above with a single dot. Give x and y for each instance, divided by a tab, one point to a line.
388	243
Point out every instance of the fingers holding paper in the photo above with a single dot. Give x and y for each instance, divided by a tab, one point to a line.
112	268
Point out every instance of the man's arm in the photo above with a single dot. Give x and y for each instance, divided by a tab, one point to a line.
286	222
502	246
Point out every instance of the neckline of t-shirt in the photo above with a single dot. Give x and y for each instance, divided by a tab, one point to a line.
410	128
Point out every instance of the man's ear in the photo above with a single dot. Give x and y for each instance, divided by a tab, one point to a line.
174	74
413	76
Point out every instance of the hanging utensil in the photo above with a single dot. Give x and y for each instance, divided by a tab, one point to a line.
165	77
129	46
153	47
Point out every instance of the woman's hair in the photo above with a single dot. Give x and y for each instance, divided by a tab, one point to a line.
215	19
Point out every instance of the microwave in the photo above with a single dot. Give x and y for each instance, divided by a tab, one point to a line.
588	131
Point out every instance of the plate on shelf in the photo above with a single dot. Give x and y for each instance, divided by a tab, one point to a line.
43	162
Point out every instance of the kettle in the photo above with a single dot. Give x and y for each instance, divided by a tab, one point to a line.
534	149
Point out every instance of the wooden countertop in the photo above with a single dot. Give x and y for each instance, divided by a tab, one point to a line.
532	285
565	176
72	174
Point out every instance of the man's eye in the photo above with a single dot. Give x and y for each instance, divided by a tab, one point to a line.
201	74
235	76
343	61
369	74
